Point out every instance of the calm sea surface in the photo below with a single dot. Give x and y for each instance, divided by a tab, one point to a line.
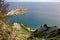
37	13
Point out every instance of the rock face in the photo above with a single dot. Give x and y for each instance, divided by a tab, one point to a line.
46	32
16	12
19	27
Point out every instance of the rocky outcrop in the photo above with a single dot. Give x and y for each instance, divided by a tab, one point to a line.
46	32
16	12
19	27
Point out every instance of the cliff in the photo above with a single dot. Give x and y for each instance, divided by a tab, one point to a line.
45	32
15	31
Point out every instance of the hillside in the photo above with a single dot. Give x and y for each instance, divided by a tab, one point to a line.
19	31
8	32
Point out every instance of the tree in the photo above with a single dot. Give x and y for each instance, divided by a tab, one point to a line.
3	8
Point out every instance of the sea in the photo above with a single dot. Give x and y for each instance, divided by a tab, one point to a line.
37	14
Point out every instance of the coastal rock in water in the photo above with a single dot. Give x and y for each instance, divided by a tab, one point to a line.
16	12
46	32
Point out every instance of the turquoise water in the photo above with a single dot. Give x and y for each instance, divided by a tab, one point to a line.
37	14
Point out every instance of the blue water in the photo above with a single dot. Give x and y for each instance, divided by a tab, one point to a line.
37	13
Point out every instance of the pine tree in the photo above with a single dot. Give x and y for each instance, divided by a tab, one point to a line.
3	8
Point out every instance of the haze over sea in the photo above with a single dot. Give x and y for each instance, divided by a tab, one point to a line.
38	13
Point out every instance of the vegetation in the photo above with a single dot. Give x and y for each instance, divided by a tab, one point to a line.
8	33
6	30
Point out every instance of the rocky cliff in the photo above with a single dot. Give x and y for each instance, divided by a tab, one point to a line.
45	32
15	31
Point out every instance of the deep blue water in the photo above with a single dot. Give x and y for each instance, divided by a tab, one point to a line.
37	13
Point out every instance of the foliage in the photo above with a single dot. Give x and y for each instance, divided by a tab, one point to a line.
3	7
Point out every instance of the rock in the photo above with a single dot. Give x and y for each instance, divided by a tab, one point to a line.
16	12
17	27
46	32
